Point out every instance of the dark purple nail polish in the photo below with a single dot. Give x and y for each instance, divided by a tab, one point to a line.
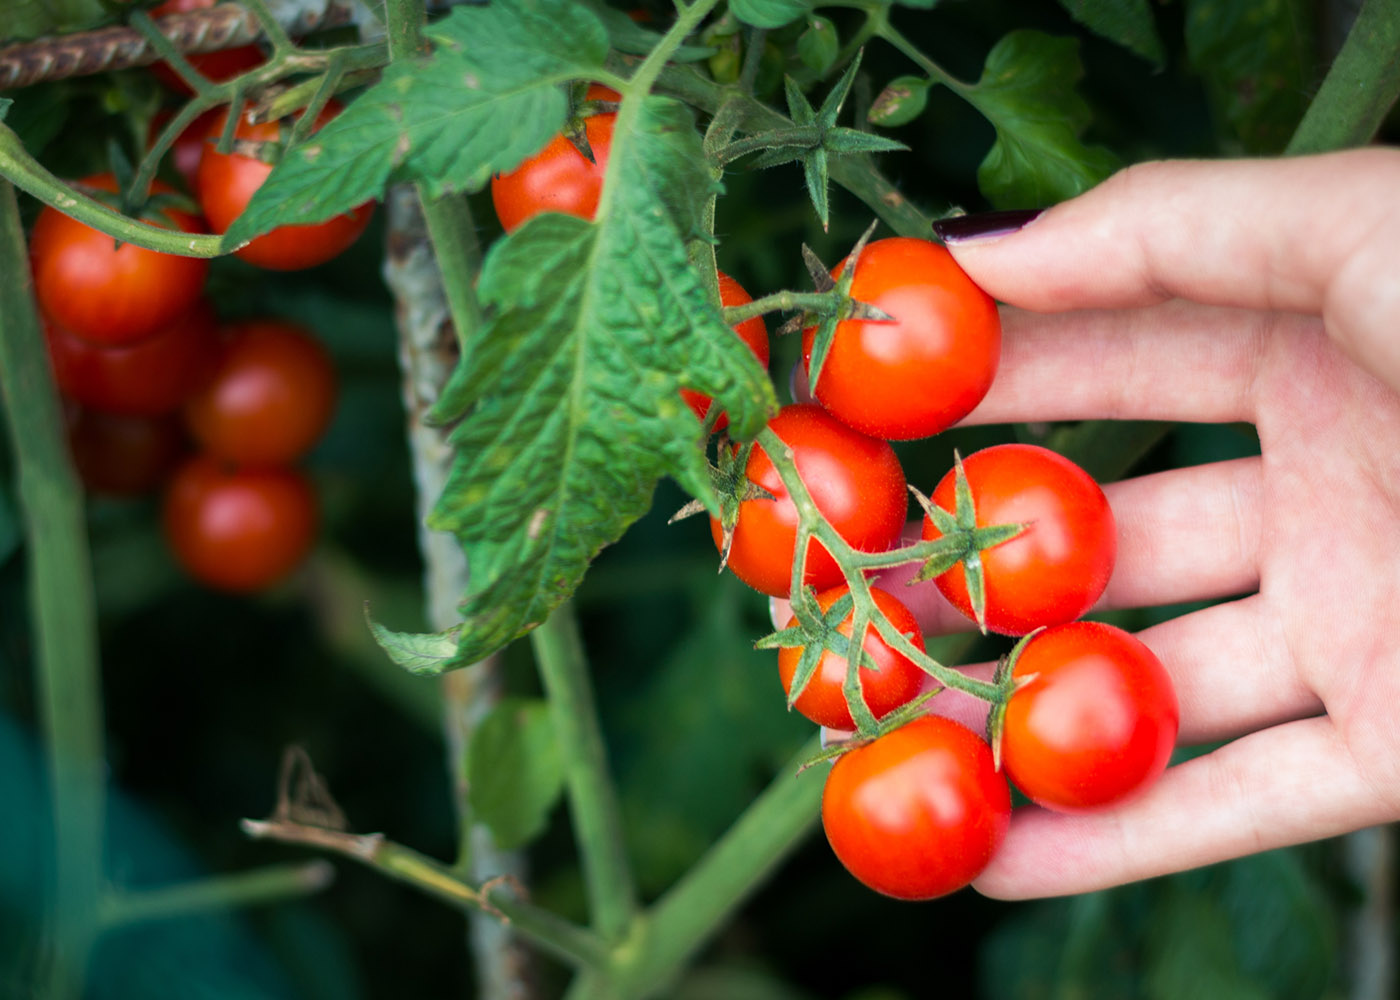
983	225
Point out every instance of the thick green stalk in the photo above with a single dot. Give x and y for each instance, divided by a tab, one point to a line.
593	802
1360	88
65	622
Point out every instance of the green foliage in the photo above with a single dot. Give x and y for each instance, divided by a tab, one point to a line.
1256	59
903	100
1127	22
514	770
486	98
769	13
571	390
1027	92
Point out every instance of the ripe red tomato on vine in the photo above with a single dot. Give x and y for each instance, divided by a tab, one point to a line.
218	66
269	397
123	455
559	178
925	369
752	332
855	480
238	530
919	812
108	293
1056	569
226	182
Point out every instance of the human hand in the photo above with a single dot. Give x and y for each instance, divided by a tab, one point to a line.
1247	291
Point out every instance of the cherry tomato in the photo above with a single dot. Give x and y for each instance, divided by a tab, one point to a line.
855	480
218	66
106	293
558	178
752	332
270	396
238	530
895	681
1095	721
227	182
147	378
919	812
123	456
927	368
1056	569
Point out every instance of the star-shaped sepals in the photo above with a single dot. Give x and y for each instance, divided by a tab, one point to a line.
580	110
961	541
824	138
733	488
816	632
843	306
1006	686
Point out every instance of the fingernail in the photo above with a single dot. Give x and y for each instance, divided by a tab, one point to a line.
983	225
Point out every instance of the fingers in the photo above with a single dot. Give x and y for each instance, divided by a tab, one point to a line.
1286	785
1259	234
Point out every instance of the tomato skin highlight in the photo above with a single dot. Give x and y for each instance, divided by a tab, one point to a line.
919	812
752	332
148	378
107	294
1096	721
925	370
269	398
226	183
238	530
896	681
558	178
1056	569
856	482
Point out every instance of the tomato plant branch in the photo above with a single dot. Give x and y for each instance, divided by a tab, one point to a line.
1360	88
593	801
813	525
65	620
573	944
272	884
777	302
887	31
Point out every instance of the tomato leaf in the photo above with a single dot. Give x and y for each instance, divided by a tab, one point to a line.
568	395
1027	93
486	98
769	13
417	652
1127	22
515	773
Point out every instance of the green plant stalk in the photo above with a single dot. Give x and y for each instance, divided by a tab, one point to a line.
65	621
1360	88
777	302
682	920
593	801
273	884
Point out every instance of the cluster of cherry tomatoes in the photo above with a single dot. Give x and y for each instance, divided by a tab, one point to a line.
146	368
1084	715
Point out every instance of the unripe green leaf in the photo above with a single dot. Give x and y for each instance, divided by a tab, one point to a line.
903	99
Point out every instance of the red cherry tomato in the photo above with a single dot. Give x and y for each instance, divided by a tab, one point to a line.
1056	569
919	812
111	294
226	183
270	396
218	66
923	371
148	378
558	178
123	456
895	681
238	530
856	482
752	332
1095	721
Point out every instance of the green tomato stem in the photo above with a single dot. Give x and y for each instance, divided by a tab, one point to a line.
273	884
64	617
778	302
1360	88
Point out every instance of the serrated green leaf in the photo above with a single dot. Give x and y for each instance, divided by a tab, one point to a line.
486	98
903	99
570	391
425	653
1256	60
1127	22
769	13
515	773
1027	93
